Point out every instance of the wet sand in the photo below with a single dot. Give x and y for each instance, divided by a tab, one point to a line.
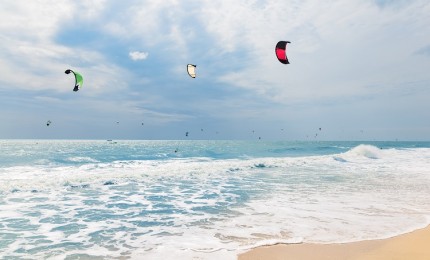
414	246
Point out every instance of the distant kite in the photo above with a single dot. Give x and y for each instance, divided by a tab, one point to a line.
191	69
48	123
79	80
281	52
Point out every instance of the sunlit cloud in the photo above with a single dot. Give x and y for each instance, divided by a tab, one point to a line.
138	55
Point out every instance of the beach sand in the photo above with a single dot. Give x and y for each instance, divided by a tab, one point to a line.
414	246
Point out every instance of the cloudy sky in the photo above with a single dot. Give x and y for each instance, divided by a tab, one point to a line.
360	69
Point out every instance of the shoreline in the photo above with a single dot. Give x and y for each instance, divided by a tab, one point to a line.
413	245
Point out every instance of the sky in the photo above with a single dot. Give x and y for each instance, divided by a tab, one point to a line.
359	69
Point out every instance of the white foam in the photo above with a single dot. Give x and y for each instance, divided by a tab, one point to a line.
82	159
372	193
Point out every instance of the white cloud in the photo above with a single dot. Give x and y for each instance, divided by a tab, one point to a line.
338	48
333	44
138	55
35	20
32	59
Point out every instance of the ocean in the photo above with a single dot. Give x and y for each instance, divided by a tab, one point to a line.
118	199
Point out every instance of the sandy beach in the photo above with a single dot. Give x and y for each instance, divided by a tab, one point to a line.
414	245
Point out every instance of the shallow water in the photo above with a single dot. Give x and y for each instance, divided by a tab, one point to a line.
208	200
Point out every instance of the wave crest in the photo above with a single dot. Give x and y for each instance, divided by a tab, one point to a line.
365	150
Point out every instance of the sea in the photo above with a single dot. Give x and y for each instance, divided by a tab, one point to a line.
197	199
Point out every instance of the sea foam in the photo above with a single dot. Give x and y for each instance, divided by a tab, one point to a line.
98	200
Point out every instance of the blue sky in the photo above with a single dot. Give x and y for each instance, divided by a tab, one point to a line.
359	69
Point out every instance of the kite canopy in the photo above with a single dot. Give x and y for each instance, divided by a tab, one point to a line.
281	52
48	122
191	69
79	80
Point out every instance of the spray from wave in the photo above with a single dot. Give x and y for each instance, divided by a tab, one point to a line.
361	151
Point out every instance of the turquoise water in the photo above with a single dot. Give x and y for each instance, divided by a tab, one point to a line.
203	199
